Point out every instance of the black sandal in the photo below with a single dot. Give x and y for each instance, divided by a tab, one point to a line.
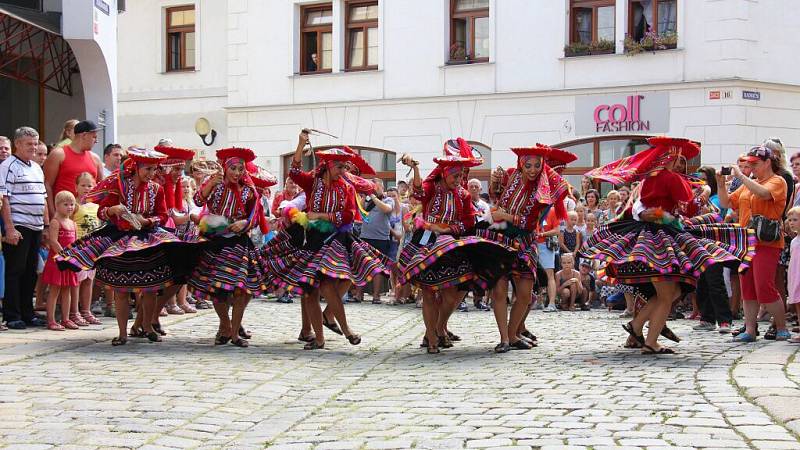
529	342
153	336
137	333
502	348
117	341
308	338
241	343
333	326
632	343
244	334
314	345
529	335
647	350
667	333
453	337
520	345
444	342
424	342
354	339
158	329
629	328
221	340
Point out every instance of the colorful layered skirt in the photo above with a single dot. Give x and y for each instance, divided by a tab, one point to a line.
526	253
145	260
644	252
227	265
440	261
297	259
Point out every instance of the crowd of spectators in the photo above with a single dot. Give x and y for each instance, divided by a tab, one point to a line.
759	185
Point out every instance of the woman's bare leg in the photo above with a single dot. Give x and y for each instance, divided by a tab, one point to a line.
500	308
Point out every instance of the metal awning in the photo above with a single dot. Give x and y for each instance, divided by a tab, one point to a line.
33	51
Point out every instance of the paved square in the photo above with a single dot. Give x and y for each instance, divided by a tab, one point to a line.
578	389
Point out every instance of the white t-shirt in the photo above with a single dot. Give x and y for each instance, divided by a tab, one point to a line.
484	211
23	184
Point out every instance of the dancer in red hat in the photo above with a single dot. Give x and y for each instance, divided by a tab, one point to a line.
524	195
168	176
653	247
442	258
230	271
132	253
318	254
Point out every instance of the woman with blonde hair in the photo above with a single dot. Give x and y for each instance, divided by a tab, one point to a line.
67	133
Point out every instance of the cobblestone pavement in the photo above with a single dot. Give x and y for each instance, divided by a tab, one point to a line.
578	389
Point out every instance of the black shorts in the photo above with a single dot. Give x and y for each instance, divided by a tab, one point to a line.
381	245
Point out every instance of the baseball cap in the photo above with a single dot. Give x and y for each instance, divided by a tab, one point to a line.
87	126
758	153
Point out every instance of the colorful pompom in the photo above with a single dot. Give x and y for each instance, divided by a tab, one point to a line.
294	215
213	225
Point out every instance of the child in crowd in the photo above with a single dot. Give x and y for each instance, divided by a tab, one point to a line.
63	284
591	224
86	221
580	225
793	219
569	284
588	281
186	217
570	239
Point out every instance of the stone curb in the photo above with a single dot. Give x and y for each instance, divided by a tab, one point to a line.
762	379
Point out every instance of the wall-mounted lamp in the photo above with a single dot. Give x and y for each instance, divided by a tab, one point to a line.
203	128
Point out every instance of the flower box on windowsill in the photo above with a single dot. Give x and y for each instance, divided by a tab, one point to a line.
651	42
459	62
602	47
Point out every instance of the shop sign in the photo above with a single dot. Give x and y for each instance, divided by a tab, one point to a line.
626	113
751	95
102	6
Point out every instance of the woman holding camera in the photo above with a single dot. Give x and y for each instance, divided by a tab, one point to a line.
760	203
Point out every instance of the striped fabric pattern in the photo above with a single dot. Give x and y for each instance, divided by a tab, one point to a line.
527	253
146	260
467	262
293	266
227	265
638	252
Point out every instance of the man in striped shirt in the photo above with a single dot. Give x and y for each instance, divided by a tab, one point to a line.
25	217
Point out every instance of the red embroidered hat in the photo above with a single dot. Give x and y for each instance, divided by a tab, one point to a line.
145	155
244	154
688	148
457	161
334	154
558	159
361	164
176	153
538	150
460	147
262	178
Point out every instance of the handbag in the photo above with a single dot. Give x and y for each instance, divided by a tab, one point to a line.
552	243
767	230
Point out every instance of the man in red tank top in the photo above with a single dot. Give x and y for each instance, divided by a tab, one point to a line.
64	164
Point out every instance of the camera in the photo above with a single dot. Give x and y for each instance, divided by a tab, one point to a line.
725	171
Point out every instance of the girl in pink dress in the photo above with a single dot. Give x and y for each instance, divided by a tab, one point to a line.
793	219
63	283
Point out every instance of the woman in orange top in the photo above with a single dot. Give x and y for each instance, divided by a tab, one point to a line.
764	195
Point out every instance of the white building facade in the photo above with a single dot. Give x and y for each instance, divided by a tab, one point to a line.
395	76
